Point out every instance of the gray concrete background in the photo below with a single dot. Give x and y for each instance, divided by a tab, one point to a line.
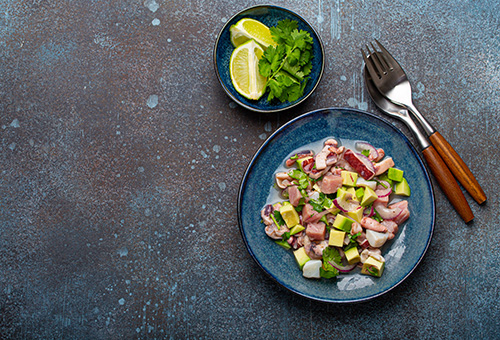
121	157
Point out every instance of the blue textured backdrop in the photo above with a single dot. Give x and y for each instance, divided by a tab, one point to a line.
121	157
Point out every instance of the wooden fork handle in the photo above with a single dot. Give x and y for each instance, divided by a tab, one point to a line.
447	183
458	167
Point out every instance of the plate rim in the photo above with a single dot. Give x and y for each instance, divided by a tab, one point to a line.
271	137
322	49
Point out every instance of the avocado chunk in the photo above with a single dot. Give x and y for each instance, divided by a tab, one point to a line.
300	161
301	257
357	214
402	188
342	194
373	267
349	178
342	223
290	215
352	255
336	238
297	229
395	174
369	197
352	191
359	193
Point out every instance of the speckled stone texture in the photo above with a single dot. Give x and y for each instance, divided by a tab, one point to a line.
121	157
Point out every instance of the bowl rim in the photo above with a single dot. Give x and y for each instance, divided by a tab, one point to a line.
301	100
264	145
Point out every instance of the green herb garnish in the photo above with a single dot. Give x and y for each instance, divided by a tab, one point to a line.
287	65
284	244
330	255
278	220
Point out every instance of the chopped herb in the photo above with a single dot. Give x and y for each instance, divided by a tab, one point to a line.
382	184
352	244
295	173
323	202
287	65
327	203
329	272
278	220
303	183
330	255
355	236
284	244
285	236
324	220
294	157
316	206
377	216
360	192
365	153
301	177
352	241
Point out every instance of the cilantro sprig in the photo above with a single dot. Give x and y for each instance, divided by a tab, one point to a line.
330	255
287	65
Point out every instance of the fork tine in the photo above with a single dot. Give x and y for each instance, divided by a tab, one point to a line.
379	56
369	65
391	62
376	62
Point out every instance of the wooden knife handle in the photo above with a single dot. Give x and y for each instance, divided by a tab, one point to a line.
448	183
458	167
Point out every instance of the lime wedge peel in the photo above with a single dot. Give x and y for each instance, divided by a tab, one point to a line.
244	70
247	29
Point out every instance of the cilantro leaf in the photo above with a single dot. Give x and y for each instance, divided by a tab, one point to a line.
287	65
278	219
316	206
328	273
330	255
294	92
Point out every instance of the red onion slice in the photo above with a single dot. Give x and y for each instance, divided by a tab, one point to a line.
344	205
386	191
338	205
342	269
367	146
369	211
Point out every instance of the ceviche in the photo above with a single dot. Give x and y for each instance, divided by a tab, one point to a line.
337	208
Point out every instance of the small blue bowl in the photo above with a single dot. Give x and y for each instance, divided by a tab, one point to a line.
268	15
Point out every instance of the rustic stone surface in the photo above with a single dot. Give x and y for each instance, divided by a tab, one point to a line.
121	157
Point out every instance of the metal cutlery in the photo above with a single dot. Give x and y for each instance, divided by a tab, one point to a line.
435	162
391	81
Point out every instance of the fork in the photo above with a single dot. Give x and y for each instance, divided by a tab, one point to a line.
391	80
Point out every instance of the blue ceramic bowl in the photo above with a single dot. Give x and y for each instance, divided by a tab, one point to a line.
402	254
268	15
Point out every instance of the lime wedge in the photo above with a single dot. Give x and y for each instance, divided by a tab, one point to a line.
244	70
247	29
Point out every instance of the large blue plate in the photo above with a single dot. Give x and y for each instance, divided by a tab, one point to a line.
402	254
268	15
